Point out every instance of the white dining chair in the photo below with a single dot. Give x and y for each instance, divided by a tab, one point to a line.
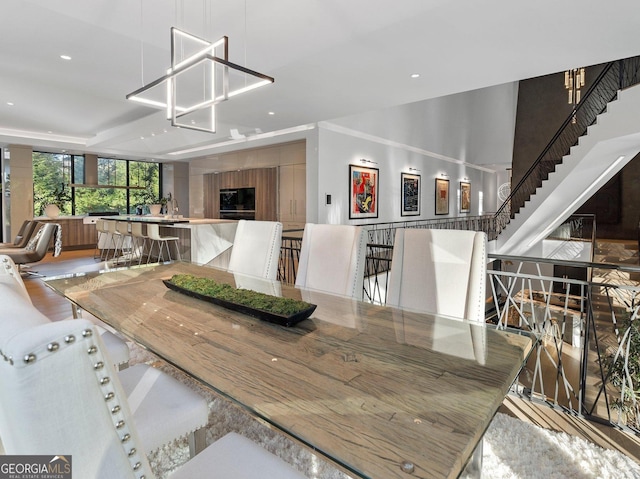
10	276
60	395
443	272
332	259
256	248
155	394
439	271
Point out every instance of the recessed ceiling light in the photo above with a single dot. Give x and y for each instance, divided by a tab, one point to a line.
415	75
272	113
10	103
65	57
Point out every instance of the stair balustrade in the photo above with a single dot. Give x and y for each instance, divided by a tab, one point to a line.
614	77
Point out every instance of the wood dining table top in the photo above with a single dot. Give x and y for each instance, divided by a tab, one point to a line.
381	392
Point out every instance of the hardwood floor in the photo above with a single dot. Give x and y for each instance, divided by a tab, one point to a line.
57	308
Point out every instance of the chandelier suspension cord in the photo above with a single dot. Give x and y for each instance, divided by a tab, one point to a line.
205	34
245	39
180	22
141	44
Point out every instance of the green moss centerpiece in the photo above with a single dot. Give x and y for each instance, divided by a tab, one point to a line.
283	311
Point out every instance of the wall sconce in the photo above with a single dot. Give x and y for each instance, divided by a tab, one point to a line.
444	175
363	160
414	170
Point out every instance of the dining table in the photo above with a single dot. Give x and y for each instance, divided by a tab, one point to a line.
378	391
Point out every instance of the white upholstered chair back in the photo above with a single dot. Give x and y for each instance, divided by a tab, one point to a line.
60	395
439	271
256	248
332	259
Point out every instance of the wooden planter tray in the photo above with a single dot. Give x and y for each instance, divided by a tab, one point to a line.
282	320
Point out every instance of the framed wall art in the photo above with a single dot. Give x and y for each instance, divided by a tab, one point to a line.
363	186
465	197
442	196
410	194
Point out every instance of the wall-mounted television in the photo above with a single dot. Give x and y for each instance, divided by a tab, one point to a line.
238	203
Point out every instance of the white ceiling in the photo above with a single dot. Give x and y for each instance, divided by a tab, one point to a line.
330	58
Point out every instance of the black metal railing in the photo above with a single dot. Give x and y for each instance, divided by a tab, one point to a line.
379	244
615	76
587	355
289	256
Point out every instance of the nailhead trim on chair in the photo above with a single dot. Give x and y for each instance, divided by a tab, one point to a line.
271	253
104	381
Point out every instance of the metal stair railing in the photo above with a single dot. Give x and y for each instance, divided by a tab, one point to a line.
614	77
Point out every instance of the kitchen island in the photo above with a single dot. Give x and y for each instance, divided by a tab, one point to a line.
201	240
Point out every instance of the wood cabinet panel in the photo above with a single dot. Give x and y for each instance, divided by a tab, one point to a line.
75	234
264	180
293	194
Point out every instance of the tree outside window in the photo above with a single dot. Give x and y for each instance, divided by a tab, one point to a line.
54	173
51	178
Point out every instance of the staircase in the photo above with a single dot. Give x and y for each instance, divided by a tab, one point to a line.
565	176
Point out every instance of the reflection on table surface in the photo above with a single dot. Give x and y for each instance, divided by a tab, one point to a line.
370	387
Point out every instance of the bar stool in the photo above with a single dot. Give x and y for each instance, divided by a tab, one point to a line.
139	241
153	233
123	238
112	237
101	228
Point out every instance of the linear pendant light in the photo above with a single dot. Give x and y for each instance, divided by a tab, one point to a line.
200	77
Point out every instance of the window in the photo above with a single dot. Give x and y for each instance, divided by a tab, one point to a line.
112	172
135	184
143	175
51	178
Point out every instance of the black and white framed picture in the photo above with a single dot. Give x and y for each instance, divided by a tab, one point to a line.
410	194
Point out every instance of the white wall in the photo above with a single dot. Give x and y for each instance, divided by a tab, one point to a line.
337	150
468	136
463	137
476	127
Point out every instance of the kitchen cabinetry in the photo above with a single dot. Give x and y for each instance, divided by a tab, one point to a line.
264	180
76	234
292	207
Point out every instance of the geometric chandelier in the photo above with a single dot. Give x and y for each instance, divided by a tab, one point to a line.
573	81
200	77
